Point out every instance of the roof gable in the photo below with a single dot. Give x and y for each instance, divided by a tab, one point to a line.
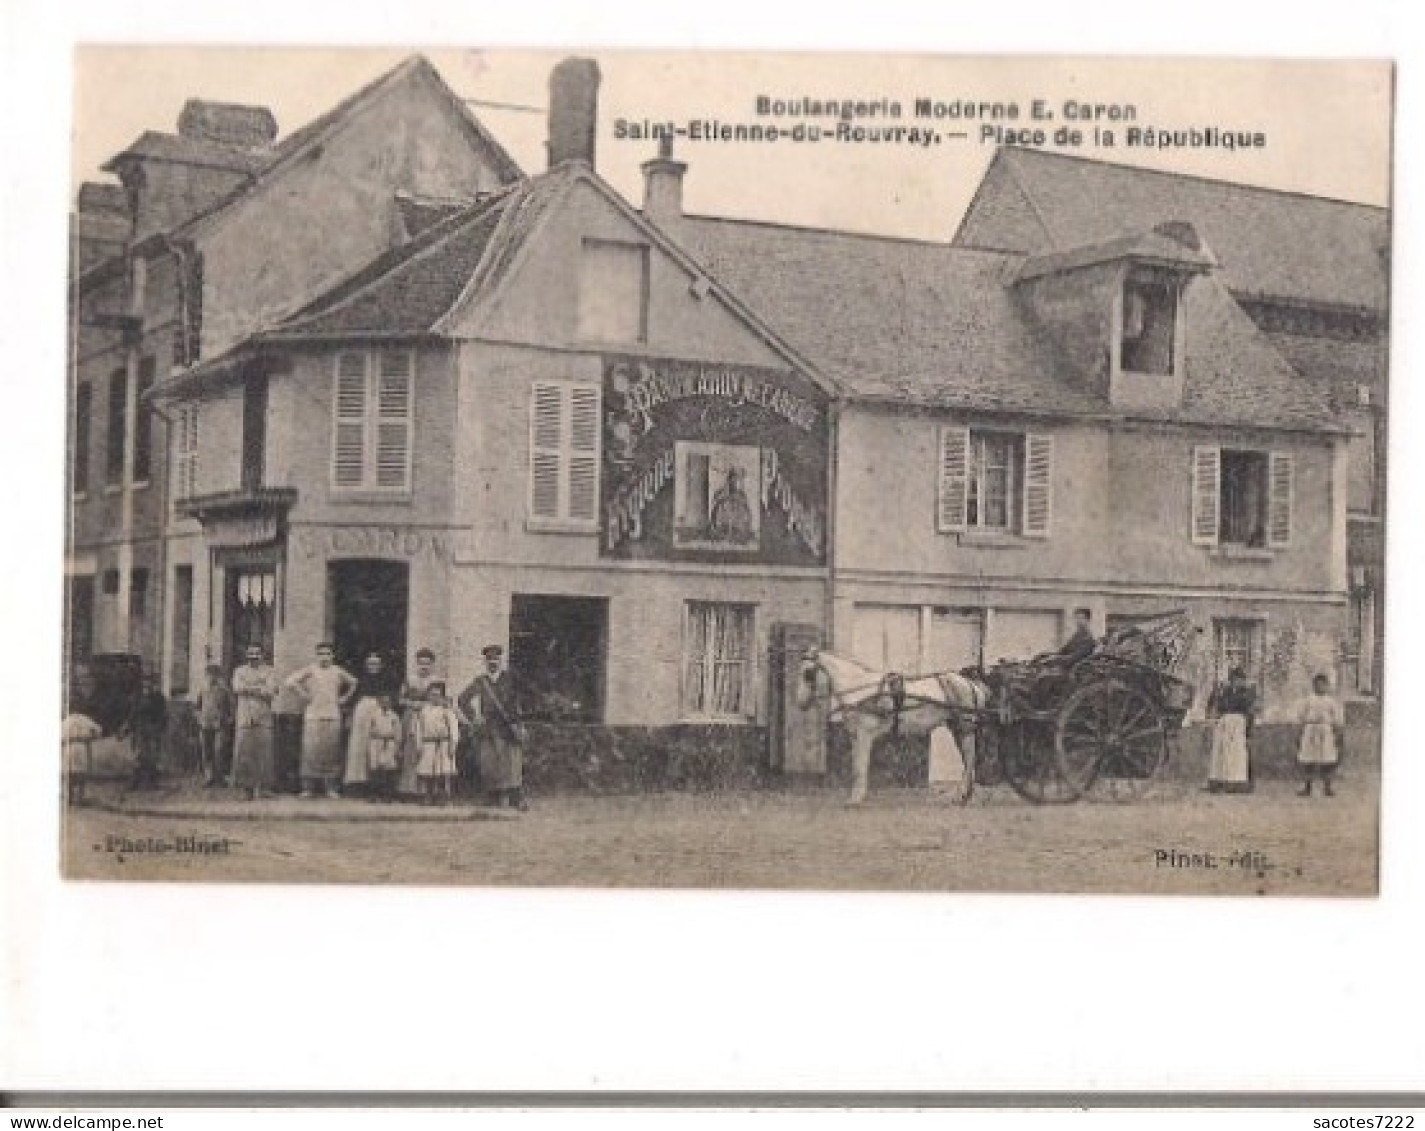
1283	245
290	150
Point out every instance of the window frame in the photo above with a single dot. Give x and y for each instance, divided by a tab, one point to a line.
370	489
186	425
144	422
564	520
1208	486
116	429
1255	665
708	663
81	470
583	332
1139	281
961	480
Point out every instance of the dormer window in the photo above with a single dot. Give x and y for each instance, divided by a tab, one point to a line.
1150	316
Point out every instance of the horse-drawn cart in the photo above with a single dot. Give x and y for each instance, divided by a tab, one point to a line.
1060	729
1057	727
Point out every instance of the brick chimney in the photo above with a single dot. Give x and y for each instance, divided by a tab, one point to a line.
573	111
663	184
227	123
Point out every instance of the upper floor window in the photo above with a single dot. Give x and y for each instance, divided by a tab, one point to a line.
613	292
564	454
995	481
143	423
373	413
185	452
83	413
1150	315
1242	497
117	430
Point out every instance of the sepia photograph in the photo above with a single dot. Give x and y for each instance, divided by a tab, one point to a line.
675	469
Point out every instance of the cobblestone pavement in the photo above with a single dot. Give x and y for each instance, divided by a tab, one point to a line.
1177	840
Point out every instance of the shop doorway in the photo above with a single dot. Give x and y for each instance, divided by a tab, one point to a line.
367	603
558	654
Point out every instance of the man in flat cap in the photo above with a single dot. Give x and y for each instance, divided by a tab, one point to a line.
491	702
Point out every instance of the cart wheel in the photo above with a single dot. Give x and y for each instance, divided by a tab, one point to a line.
1026	752
1110	735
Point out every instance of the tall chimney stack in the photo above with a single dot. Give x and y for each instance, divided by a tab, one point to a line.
663	184
573	111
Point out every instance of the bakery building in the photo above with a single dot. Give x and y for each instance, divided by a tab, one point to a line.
653	453
537	422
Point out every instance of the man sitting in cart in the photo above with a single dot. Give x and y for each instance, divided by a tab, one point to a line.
1082	643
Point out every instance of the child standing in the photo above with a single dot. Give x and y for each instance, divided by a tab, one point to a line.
438	730
215	712
1322	723
383	742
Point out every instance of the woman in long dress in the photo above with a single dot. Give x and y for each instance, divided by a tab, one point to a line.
1322	721
1234	705
255	686
374	682
327	688
413	698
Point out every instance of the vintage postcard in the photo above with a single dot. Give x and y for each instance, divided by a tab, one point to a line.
726	471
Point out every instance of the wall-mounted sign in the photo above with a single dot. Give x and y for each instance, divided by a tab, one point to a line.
712	462
370	542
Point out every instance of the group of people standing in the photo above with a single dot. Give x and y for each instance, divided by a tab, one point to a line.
1233	706
402	740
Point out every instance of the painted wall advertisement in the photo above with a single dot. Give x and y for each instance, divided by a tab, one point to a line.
712	462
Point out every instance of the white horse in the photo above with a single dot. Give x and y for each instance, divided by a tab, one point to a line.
872	704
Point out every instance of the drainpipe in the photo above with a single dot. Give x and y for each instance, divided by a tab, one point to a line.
163	470
833	441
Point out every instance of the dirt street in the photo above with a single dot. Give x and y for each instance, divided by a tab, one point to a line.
1177	841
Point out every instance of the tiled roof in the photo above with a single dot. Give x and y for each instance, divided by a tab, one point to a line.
899	321
930	324
896	319
1342	364
1234	373
1270	243
406	291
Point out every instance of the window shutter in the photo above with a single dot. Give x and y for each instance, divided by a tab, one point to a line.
1281	487
1206	494
584	453
546	449
349	430
188	447
393	420
1038	484
953	478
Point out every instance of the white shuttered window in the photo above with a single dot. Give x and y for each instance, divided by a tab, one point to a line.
999	482
1242	497
373	416
564	454
185	458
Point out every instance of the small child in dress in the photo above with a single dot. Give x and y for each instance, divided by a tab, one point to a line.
79	733
438	730
1322	723
383	742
